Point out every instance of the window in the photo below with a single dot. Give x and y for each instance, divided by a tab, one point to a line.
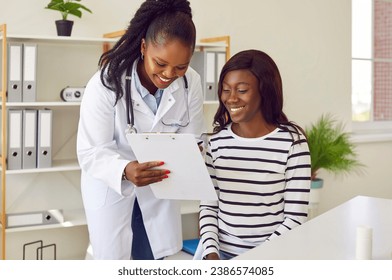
372	65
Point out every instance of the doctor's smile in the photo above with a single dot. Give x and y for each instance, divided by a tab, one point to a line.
163	82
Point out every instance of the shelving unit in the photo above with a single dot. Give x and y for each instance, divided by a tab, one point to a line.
3	30
57	187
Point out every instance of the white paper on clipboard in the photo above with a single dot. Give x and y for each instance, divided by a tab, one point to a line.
189	178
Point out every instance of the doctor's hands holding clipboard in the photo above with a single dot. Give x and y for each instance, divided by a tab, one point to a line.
143	174
189	178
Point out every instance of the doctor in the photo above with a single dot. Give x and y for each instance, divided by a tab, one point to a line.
144	84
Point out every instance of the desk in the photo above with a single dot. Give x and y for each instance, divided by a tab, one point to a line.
332	235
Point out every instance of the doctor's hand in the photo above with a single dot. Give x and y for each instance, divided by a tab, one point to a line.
143	174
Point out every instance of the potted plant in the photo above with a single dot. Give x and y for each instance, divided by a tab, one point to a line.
66	7
330	149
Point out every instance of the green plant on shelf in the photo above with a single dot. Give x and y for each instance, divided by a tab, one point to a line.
67	7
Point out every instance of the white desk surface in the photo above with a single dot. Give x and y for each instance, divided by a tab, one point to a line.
332	235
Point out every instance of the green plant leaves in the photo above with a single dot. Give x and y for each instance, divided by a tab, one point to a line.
330	147
67	7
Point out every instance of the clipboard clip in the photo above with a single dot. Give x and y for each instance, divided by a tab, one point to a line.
169	134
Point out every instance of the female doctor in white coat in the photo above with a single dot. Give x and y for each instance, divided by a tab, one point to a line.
148	66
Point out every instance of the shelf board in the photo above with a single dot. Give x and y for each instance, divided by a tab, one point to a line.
43	104
211	45
79	40
212	102
57	166
77	218
60	39
66	104
72	218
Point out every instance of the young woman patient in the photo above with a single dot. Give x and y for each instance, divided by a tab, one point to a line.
258	159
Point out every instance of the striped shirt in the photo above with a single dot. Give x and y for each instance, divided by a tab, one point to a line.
262	185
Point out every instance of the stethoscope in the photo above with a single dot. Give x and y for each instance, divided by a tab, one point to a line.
129	105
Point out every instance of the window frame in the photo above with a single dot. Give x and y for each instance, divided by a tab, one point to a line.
371	131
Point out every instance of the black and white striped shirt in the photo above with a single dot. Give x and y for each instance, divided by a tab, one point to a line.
263	189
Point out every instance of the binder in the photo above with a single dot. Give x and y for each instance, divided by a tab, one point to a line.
29	158
220	62
29	88
14	151
15	58
35	218
44	140
210	85
209	65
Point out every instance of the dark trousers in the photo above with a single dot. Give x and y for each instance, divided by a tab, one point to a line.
141	249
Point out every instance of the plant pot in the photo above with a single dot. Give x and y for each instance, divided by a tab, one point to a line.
315	189
316	183
314	196
64	27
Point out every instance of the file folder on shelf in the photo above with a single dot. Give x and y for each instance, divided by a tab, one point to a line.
209	65
44	141
14	151
29	158
35	218
211	86
29	88
220	62
15	60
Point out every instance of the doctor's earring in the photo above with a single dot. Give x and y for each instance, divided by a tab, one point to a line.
141	56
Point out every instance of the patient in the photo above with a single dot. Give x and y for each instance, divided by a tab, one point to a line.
259	161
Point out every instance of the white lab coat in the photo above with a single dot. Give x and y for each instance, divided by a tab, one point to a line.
103	152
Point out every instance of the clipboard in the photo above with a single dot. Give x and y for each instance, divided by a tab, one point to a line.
189	178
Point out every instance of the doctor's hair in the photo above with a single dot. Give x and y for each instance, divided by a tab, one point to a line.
263	67
157	21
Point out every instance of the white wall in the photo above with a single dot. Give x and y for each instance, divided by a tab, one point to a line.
310	41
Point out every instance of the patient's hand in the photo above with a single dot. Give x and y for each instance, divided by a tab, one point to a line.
212	256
